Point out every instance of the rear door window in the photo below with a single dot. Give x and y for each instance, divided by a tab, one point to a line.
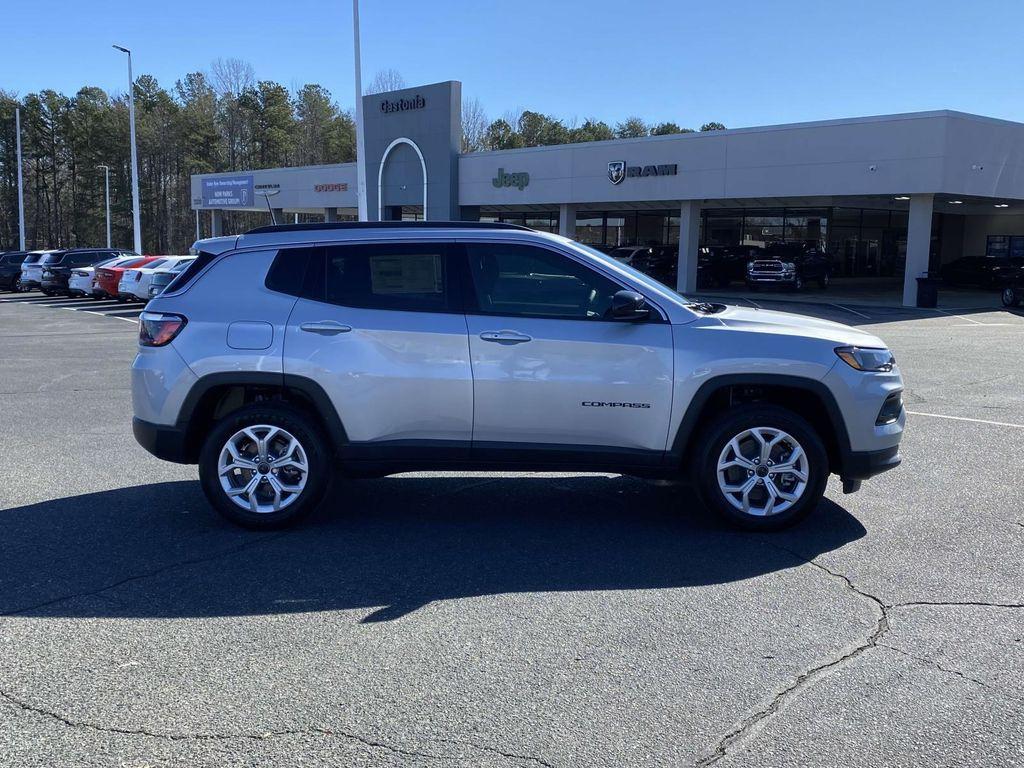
408	277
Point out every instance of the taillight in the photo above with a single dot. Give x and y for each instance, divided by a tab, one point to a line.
159	328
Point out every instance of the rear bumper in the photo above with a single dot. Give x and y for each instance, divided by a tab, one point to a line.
860	465
163	441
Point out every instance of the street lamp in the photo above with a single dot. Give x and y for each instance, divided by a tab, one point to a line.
106	173
136	223
360	144
21	186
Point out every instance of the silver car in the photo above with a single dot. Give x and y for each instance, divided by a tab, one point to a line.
283	353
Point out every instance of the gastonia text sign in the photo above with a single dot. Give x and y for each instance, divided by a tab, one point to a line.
228	192
402	105
519	180
618	170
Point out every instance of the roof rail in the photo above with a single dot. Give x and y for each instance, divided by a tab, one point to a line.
385	225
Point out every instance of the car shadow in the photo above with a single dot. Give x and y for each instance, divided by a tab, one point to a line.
386	546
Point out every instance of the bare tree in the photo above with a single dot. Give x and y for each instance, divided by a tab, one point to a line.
474	126
231	76
385	80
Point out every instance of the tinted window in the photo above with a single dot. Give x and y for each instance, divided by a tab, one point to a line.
191	271
14	258
33	258
410	277
287	272
528	281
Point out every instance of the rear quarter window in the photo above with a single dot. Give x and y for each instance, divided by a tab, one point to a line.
184	278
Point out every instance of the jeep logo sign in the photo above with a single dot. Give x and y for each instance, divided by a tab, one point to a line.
517	180
618	170
403	105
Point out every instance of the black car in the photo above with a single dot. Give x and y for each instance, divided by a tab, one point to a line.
984	271
791	265
659	261
10	269
720	265
57	267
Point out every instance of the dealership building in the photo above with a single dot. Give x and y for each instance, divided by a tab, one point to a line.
888	197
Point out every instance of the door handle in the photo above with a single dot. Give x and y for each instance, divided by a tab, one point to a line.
325	328
505	337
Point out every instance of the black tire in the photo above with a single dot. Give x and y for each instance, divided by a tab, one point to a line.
798	283
825	281
732	423
313	442
1011	297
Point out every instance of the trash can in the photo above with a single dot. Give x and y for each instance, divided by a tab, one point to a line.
927	292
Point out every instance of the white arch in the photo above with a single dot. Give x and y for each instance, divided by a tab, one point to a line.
380	175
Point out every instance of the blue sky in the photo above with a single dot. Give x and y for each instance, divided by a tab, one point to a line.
739	62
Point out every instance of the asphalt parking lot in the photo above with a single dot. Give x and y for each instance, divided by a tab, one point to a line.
507	620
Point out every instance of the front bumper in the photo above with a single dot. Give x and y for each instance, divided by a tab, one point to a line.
163	441
771	277
860	465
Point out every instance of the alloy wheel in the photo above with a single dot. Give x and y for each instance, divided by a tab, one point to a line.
263	468
763	471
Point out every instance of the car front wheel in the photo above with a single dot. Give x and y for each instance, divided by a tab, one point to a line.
264	466
1011	297
761	467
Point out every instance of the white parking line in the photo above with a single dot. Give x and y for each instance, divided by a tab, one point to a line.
861	314
950	314
964	418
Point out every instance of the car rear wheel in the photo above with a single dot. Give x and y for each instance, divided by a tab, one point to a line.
1011	297
264	466
761	467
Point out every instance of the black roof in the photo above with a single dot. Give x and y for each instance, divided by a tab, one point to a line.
385	225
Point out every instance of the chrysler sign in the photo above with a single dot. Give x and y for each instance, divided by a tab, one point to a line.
618	170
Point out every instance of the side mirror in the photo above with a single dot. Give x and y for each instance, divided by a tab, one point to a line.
629	305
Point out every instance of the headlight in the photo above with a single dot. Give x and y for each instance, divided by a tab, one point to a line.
867	359
789	266
750	265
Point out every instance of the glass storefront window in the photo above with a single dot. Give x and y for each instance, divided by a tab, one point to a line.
590	228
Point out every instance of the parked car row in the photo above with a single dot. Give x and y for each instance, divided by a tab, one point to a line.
97	273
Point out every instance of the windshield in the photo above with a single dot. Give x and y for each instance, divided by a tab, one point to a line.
155	264
181	265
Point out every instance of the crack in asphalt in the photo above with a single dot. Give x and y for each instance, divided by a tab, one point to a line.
266	735
748	726
955	604
149	574
951	671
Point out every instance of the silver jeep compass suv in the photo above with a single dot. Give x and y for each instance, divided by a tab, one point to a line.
374	348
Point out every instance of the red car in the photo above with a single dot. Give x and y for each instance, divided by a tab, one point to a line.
107	278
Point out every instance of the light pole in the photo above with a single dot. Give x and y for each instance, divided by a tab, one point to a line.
106	186
136	223
360	153
21	191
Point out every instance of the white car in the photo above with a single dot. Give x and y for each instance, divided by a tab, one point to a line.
140	289
134	283
32	270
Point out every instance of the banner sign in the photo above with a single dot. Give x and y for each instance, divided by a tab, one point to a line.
228	192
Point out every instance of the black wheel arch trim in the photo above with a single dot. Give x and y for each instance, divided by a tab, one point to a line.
282	382
681	441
